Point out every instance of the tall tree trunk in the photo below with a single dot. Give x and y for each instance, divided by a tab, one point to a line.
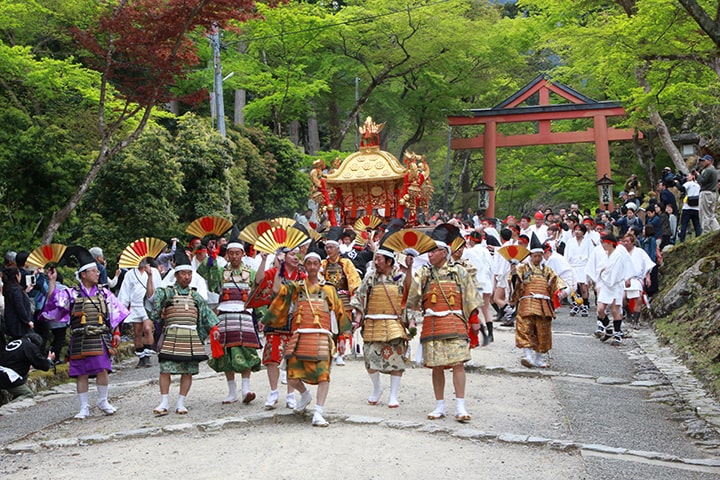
660	126
334	121
240	96
416	137
646	158
313	143
239	109
294	132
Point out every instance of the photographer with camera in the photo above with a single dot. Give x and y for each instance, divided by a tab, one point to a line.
691	206
16	358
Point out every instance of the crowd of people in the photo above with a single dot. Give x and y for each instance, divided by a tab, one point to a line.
299	309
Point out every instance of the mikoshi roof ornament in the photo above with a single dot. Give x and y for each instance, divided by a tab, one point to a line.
208	225
45	254
139	250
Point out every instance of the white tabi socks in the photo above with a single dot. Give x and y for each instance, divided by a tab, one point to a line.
377	388
439	411
232	392
102	402
84	408
180	408
318	419
164	403
394	388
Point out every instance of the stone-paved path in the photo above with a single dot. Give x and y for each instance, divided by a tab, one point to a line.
598	412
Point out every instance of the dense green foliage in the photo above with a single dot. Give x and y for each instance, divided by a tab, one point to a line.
414	62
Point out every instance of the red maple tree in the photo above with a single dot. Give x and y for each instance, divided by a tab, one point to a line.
141	47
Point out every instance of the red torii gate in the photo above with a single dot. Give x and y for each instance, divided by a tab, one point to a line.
544	113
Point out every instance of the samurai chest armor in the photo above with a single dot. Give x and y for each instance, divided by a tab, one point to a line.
334	274
383	300
534	288
90	332
181	342
443	297
235	286
312	313
237	325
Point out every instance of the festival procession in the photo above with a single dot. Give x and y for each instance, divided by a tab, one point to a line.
367	274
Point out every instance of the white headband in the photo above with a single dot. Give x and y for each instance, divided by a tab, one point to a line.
312	255
386	253
442	244
86	266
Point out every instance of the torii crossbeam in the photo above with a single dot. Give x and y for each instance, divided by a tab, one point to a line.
509	111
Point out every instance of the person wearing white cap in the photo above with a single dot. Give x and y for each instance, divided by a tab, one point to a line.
379	312
94	314
318	315
276	338
186	320
238	329
448	298
342	273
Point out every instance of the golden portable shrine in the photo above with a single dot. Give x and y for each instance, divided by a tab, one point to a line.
372	181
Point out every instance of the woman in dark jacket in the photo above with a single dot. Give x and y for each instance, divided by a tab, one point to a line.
648	242
18	314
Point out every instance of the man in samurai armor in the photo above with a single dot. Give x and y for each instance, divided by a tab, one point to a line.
534	287
341	272
185	319
238	328
448	298
276	338
94	315
318	315
378	305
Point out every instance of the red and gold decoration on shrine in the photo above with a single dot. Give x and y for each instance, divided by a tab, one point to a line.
370	180
45	254
139	250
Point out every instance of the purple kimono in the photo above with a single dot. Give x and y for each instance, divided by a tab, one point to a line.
58	308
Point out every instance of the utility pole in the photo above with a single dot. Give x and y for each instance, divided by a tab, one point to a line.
447	170
357	116
218	80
